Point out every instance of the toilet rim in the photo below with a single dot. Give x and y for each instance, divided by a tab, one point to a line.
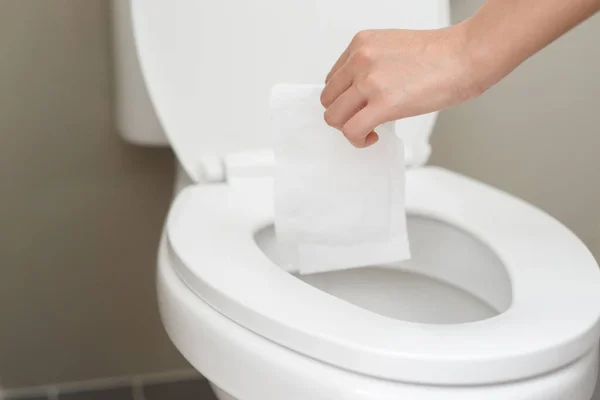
328	329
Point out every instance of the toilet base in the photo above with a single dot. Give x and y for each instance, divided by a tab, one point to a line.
250	367
585	394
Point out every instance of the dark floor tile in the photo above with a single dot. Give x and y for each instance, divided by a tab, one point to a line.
124	393
195	389
25	398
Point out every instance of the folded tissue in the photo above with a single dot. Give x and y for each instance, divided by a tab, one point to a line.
336	206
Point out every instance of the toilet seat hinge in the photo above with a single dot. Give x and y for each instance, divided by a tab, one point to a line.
246	164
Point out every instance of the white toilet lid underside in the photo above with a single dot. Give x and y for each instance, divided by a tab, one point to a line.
554	317
209	65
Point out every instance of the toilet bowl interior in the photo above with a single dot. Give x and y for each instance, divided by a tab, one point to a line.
452	277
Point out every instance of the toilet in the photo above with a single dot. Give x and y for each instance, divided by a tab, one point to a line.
499	301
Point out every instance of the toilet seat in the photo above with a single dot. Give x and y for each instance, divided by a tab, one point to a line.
552	321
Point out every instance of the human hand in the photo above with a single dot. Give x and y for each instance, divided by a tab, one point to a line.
386	75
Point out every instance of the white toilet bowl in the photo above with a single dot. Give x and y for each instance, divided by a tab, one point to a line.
500	301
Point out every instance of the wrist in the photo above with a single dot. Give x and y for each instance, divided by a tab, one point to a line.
485	60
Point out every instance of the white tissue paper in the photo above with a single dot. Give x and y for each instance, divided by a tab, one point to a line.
336	206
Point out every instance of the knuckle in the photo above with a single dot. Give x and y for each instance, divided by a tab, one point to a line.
324	100
330	119
373	83
362	36
363	56
350	134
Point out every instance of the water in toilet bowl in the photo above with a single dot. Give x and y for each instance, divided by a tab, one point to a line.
403	295
451	279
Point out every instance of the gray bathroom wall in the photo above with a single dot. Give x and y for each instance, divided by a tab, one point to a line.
537	133
81	212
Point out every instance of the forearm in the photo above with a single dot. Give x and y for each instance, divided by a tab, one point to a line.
504	33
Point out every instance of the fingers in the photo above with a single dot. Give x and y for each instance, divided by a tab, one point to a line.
358	39
371	139
338	64
344	107
338	84
359	130
350	111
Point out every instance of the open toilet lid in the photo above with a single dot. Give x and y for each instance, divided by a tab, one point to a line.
209	66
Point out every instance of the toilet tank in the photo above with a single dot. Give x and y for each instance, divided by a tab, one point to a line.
136	120
208	66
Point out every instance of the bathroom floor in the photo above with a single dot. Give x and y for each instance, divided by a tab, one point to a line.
186	389
190	389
